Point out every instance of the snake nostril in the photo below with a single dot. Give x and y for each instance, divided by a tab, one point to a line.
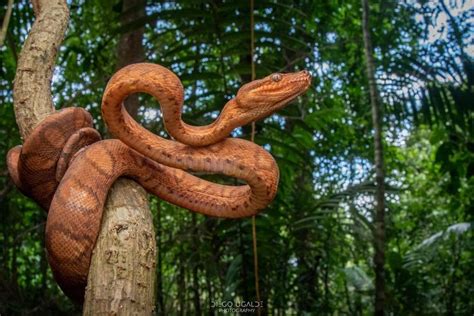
306	74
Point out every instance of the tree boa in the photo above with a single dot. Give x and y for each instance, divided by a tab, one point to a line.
65	167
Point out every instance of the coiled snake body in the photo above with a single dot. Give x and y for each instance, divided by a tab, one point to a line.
65	167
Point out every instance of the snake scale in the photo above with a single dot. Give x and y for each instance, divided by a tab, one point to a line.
67	169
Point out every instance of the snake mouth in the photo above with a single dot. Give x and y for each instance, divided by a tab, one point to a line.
293	96
303	81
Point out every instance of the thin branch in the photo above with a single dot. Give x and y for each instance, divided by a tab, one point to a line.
457	32
8	187
6	21
12	45
20	236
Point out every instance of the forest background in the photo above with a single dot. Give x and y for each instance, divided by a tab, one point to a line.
316	240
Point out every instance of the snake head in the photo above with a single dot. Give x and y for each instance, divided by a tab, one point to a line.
262	97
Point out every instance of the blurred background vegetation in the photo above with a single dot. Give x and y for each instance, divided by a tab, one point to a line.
315	241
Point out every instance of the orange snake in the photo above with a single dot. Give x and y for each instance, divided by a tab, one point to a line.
65	167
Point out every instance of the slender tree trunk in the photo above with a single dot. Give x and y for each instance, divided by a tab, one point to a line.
379	220
244	263
122	275
127	284
130	46
43	263
159	273
181	289
195	272
325	264
210	311
32	99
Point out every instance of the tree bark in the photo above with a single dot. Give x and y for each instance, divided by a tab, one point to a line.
195	268
6	21
32	99
379	220
122	274
159	275
130	46
32	103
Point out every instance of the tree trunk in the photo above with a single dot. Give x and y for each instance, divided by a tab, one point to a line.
243	266
195	268
126	284
122	273
159	273
379	220
32	99
32	103
130	45
181	289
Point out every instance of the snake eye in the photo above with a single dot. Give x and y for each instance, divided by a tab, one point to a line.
276	77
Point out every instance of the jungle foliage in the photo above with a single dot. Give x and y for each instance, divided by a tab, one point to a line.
315	241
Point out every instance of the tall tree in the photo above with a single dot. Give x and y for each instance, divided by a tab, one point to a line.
379	219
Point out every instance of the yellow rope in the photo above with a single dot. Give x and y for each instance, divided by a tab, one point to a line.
252	138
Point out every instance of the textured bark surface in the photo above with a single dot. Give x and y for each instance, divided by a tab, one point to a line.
32	88
6	21
125	252
122	273
379	220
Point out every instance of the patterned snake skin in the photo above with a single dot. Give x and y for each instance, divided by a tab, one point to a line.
65	167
